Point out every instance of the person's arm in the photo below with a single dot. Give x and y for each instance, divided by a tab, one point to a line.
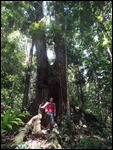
54	109
44	105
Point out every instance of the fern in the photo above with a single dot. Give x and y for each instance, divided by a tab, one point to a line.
11	118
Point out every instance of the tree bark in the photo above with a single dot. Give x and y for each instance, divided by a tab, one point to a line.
27	78
60	64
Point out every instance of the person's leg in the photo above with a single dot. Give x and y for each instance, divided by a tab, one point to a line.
51	120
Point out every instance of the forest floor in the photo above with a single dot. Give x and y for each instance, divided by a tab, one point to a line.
30	142
33	142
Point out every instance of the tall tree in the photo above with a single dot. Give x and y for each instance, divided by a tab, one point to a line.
51	80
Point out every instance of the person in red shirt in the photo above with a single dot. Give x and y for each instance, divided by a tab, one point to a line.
50	110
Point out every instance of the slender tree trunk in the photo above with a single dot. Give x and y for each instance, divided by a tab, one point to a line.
80	87
97	92
109	54
27	78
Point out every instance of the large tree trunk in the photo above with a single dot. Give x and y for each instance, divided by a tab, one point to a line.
60	64
51	79
40	44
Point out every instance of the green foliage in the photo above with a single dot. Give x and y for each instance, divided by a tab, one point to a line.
37	30
54	28
91	143
11	118
12	67
25	5
72	139
106	132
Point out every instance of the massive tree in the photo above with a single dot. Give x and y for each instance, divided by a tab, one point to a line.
51	79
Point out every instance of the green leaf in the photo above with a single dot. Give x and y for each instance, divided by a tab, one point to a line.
18	119
6	116
9	126
21	115
15	122
2	115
